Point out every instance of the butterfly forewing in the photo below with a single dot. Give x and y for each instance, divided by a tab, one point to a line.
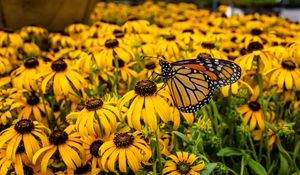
190	88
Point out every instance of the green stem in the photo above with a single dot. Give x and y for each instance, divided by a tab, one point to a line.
252	147
158	151
242	166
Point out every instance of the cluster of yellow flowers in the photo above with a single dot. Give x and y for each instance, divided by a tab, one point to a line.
81	101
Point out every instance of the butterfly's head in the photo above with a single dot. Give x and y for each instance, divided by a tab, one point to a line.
166	69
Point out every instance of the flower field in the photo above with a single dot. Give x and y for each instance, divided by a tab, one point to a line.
99	98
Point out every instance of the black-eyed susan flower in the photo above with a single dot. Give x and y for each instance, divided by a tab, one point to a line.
150	67
59	41
33	34
286	75
97	118
145	104
67	143
5	65
23	77
9	38
170	46
253	112
9	106
209	48
135	25
126	151
32	134
61	78
76	29
183	163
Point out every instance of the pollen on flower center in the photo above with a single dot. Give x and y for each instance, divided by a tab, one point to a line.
24	126
256	31
183	167
208	45
121	63
111	43
59	65
94	148
170	37
123	140
288	64
145	88
33	99
31	63
254	105
93	104
254	46
58	137
150	66
203	56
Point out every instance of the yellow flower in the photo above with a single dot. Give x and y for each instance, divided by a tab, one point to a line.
145	104
134	25
176	115
59	41
253	113
5	65
183	163
209	49
170	47
286	75
76	29
30	133
234	87
125	149
61	77
33	33
9	38
97	118
67	143
23	77
150	67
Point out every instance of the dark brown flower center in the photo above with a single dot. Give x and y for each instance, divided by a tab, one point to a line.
33	99
170	37
254	46
24	126
31	63
111	43
254	105
208	45
188	31
118	33
94	148
203	56
183	167
123	140
121	63
288	64
58	137
243	51
132	19
150	66
28	170
256	32
21	148
93	104
145	88
63	125
59	65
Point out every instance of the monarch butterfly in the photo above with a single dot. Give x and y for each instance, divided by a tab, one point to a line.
192	82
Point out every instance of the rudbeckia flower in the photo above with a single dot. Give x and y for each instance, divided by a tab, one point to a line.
30	133
286	75
59	41
67	143
97	118
170	46
33	34
61	78
145	104
253	113
76	29
9	106
209	49
9	38
150	67
183	163
5	65
23	77
134	25
125	150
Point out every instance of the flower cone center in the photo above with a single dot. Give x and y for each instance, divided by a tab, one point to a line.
111	43
208	45
33	99
253	46
150	66
188	31
183	167
123	140
24	126
94	148
288	64
256	31
145	88
170	37
31	63
59	65
254	106
93	104
58	137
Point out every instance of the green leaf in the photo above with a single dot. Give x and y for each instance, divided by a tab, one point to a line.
296	151
183	137
284	166
257	167
229	151
208	168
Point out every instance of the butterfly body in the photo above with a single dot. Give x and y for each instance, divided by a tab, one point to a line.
193	81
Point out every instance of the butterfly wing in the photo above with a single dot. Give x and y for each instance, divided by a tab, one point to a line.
190	89
221	72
